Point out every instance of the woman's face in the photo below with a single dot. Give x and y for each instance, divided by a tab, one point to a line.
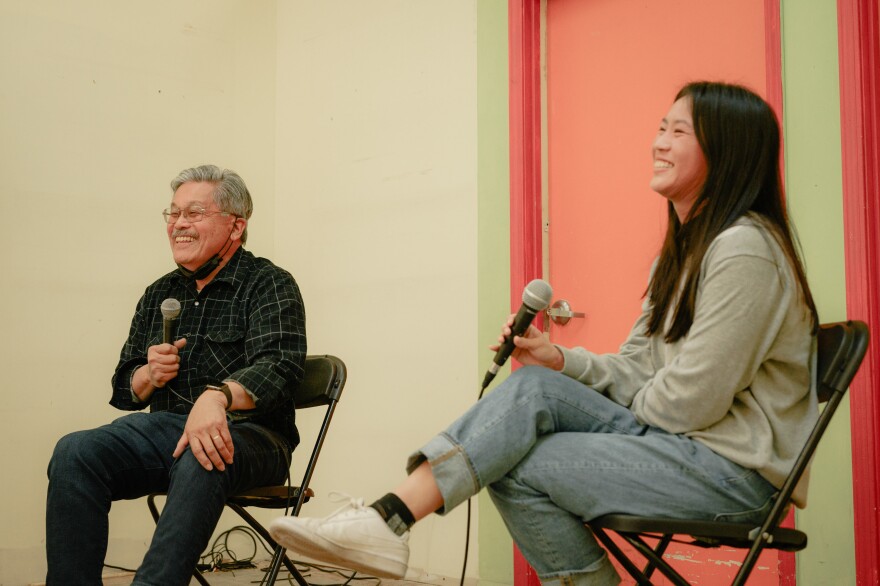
679	164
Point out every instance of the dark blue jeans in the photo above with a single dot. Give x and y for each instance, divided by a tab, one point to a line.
131	458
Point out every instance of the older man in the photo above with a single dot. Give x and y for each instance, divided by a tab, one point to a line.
220	395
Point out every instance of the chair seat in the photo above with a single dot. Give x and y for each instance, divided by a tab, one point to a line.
270	497
704	533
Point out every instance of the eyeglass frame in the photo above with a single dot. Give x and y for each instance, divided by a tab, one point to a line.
201	212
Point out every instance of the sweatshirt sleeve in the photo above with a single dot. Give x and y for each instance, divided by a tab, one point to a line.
620	375
741	304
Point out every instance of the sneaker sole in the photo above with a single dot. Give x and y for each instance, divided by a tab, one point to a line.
327	552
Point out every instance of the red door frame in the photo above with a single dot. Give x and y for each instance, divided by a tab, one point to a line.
859	36
859	56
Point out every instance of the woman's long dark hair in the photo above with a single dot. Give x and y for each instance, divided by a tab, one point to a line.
739	135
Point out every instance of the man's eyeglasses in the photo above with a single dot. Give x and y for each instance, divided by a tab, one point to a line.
191	214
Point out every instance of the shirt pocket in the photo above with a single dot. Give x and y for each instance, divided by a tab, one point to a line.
224	351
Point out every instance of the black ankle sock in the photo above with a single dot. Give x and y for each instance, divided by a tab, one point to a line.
395	513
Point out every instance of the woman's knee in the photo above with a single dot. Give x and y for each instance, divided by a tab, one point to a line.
527	381
538	386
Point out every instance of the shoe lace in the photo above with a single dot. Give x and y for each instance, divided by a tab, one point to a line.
352	502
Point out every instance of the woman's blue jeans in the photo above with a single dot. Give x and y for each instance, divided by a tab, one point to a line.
131	458
554	452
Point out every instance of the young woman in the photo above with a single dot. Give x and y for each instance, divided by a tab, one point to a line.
700	414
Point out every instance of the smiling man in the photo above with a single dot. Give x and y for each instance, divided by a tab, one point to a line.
220	395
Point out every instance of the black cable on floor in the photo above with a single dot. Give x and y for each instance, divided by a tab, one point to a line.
467	541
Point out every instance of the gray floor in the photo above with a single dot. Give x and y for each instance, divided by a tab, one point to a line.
312	575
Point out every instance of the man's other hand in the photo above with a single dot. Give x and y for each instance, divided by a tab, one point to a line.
207	433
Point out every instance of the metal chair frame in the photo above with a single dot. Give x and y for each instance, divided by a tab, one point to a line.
841	348
322	385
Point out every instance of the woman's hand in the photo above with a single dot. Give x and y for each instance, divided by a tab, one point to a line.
532	348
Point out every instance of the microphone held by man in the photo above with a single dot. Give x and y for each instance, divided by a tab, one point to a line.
170	309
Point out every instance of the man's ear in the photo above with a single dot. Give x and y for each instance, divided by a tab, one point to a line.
238	228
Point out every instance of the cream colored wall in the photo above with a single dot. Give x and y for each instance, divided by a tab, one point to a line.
376	174
356	133
101	103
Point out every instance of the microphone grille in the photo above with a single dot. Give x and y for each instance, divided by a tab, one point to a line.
170	308
538	294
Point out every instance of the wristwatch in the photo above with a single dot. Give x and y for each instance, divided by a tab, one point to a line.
224	388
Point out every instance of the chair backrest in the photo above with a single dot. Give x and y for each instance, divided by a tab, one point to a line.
841	348
322	383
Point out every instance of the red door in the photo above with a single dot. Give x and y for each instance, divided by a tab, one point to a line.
612	70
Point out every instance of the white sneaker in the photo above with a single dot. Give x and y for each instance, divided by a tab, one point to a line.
354	537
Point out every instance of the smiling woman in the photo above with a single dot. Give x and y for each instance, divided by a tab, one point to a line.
679	163
738	142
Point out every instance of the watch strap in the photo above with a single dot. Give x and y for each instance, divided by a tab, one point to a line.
227	392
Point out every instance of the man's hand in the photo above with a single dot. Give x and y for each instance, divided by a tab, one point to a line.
207	433
163	362
532	348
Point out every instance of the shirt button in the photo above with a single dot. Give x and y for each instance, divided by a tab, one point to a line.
196	303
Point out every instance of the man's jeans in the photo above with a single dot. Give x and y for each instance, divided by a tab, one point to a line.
554	452
131	458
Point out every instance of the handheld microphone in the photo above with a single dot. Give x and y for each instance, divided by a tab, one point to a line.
170	309
536	298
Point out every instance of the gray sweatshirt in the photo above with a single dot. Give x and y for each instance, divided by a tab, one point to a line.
741	380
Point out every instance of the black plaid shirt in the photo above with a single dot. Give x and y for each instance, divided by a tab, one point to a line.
247	325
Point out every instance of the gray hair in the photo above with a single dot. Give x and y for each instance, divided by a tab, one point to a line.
230	193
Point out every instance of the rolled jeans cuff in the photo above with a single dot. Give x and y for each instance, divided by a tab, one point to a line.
452	470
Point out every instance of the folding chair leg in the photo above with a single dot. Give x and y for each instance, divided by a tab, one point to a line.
655	560
199	578
280	555
277	558
151	504
660	549
621	557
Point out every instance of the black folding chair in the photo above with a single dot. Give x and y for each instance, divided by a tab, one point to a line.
321	386
841	349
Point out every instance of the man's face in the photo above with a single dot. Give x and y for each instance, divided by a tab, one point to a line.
194	243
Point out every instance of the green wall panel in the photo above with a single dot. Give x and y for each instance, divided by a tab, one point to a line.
813	182
493	247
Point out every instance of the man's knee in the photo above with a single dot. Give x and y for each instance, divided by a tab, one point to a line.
72	451
188	472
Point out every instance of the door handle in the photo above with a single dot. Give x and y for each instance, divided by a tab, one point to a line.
561	313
